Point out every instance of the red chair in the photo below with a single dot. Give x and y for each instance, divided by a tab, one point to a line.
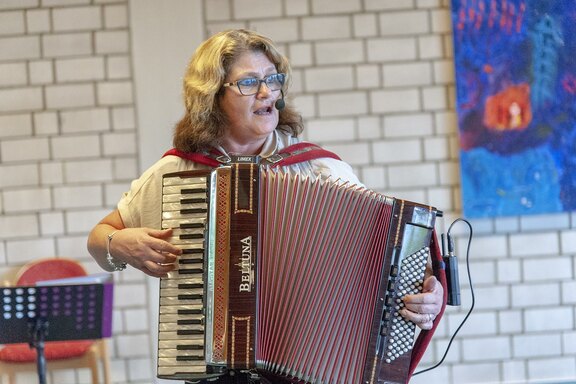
16	358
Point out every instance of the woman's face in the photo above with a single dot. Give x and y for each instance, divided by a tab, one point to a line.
251	118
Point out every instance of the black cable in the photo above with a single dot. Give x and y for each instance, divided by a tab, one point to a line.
471	295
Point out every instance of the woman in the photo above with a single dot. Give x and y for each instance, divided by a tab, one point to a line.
231	89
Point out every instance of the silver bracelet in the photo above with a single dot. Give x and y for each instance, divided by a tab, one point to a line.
111	261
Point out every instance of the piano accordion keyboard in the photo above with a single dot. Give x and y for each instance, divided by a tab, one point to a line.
181	329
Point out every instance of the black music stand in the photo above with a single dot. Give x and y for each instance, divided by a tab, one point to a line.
77	308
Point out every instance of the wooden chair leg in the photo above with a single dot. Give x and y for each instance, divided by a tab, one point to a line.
95	379
105	362
11	378
94	367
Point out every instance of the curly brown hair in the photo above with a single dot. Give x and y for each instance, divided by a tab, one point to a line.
204	123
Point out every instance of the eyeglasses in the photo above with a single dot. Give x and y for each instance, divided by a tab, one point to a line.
251	85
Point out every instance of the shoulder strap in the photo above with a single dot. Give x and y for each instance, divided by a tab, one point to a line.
425	336
293	154
298	153
205	158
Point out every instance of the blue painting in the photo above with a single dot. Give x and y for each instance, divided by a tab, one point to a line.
515	64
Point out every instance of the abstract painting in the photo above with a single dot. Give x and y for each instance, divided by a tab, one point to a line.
515	66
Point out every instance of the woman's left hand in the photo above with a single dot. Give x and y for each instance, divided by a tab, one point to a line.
422	308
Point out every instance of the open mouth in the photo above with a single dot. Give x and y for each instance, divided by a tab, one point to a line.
263	111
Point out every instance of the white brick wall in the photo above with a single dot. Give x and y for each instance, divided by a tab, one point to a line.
66	117
20	99
67	44
12	74
374	81
391	49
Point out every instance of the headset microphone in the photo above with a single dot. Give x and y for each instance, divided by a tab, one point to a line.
280	104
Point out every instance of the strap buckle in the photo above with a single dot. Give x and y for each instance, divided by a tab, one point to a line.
275	158
224	159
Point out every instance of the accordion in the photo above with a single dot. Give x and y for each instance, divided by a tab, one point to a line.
297	279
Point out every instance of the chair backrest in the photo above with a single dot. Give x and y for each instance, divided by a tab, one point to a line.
48	269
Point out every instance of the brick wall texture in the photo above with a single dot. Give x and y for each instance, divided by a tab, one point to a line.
374	82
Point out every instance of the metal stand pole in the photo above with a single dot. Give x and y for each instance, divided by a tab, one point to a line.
38	332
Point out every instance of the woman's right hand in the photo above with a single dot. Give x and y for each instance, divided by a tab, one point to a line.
145	249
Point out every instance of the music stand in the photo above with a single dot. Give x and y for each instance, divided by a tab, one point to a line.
77	308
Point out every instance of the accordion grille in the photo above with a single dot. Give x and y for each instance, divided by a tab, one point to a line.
317	297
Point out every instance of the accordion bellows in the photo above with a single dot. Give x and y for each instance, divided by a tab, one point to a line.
299	279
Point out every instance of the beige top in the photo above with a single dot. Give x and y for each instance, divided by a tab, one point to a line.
141	205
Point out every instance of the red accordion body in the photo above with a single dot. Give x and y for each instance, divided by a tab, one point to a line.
294	278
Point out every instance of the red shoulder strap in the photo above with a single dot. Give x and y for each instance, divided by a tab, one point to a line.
200	158
293	154
425	336
298	153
